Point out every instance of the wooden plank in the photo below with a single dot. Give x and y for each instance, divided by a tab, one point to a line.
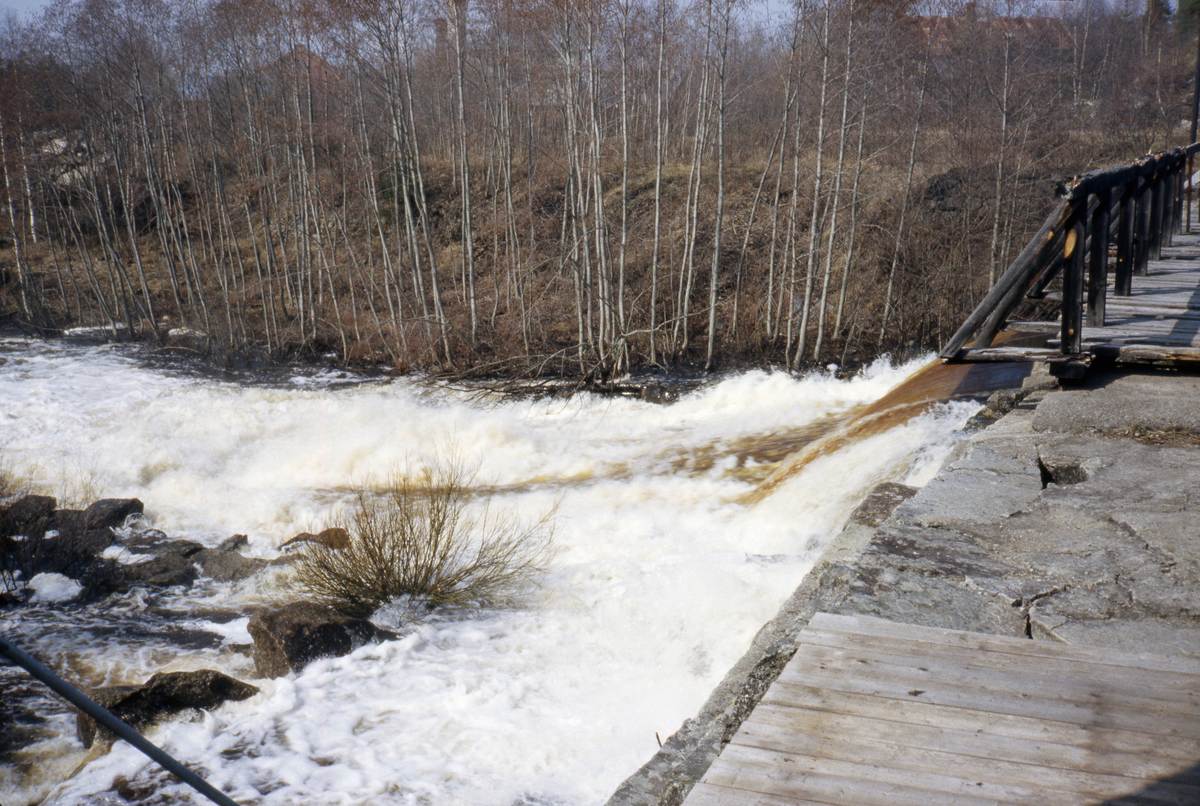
1138	336
1176	697
1011	726
978	743
1135	306
1183	299
840	781
1149	682
814	739
1166	296
999	643
1152	315
1142	336
874	712
706	794
1092	706
1006	354
1138	354
1162	332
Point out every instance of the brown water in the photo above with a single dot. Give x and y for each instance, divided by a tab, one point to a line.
936	382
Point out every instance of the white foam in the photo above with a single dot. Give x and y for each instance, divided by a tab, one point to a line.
51	587
660	580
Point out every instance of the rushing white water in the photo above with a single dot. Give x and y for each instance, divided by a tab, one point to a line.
659	582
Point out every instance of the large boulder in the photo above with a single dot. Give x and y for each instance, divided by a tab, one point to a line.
109	512
162	571
29	515
234	543
288	638
163	695
227	566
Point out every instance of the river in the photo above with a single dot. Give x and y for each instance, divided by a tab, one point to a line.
665	566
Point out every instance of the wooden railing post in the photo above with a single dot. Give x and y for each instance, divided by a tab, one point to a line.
1123	277
1072	304
1155	228
1141	228
1097	281
1176	198
1187	217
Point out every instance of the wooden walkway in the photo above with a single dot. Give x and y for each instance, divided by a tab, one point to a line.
870	712
1159	323
1114	261
1164	307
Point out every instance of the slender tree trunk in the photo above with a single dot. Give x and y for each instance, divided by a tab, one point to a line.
726	15
912	163
818	189
837	184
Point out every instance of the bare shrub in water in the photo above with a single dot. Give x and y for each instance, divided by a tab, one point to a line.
418	538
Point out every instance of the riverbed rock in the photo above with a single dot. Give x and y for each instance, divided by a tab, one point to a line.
29	515
288	638
163	695
109	512
234	543
163	571
334	537
158	544
227	566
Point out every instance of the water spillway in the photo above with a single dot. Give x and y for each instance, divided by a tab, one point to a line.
663	570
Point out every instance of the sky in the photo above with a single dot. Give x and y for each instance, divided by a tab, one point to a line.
20	6
25	7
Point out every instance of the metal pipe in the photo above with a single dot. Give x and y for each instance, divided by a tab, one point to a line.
105	718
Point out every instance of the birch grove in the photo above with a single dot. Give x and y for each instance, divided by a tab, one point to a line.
588	187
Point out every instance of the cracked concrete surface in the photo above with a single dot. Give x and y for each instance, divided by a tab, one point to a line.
1043	525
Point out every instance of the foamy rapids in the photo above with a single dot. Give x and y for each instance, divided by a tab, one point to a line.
660	577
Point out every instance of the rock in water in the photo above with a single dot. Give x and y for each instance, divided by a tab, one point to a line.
109	512
29	515
234	543
227	566
289	638
334	537
163	695
164	571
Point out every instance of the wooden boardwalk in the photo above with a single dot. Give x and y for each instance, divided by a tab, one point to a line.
1112	257
870	712
1164	306
1158	323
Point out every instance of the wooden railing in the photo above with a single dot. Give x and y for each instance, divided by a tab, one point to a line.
1139	206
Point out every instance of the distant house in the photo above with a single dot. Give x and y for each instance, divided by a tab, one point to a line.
942	35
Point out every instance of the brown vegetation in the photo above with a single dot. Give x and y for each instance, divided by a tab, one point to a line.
528	185
420	539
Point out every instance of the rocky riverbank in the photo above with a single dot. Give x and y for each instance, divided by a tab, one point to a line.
77	560
1068	519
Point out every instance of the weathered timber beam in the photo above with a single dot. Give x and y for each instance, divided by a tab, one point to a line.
988	354
1097	278
1080	186
1141	227
1044	260
1074	253
1123	275
1147	354
1038	291
1016	276
1156	200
